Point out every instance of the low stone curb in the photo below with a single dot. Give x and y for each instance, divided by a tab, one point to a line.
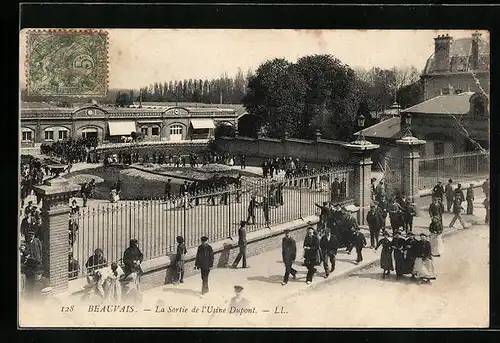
336	277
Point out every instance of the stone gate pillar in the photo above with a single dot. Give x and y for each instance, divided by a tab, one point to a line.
409	151
360	153
55	194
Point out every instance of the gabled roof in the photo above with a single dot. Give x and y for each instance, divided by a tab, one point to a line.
443	104
460	56
389	128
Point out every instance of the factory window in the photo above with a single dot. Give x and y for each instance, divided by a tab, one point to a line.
49	135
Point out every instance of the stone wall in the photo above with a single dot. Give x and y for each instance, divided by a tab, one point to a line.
319	151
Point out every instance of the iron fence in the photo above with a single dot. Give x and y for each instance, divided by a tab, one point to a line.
461	168
156	223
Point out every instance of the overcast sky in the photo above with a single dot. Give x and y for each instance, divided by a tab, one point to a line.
139	57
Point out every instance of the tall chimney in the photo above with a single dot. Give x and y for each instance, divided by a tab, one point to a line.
442	45
476	36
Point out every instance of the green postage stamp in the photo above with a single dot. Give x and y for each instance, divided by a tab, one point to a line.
67	62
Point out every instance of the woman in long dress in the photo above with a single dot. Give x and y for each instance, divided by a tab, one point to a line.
424	267
386	255
436	240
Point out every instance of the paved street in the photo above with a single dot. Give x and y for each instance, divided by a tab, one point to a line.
459	297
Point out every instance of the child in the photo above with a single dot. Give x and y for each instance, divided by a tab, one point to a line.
359	242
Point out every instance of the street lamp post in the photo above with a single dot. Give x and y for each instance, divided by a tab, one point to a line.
361	124
407	125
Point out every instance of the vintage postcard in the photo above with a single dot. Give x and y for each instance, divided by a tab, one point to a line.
254	178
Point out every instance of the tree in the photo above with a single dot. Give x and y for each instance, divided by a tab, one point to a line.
275	99
239	87
223	129
404	76
332	97
123	99
411	94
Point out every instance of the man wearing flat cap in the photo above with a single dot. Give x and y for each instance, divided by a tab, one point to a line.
204	261
242	244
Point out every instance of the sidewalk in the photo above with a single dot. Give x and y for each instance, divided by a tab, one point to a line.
262	281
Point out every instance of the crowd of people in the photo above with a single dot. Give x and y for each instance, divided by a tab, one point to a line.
337	228
32	174
72	150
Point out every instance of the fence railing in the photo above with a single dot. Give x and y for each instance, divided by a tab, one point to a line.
463	167
156	223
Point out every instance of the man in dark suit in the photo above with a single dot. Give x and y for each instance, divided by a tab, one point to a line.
311	253
289	254
375	223
335	189
168	190
409	212
204	261
458	193
251	210
448	192
470	199
33	263
359	242
329	245
242	244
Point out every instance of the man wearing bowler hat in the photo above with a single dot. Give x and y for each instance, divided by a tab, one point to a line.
242	244
204	261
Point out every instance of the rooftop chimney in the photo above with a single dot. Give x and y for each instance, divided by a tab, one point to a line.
442	45
476	36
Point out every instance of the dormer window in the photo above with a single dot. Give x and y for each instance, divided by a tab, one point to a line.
479	108
478	105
